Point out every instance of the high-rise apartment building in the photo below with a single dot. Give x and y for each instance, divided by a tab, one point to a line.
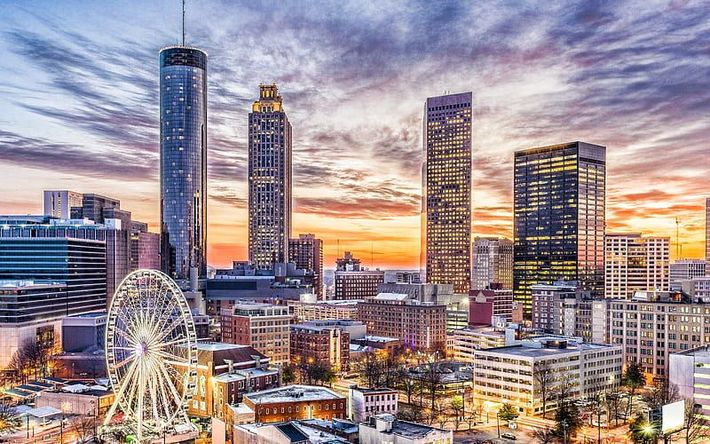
559	217
635	263
183	161
262	326
59	203
354	282
270	179
492	263
306	251
446	193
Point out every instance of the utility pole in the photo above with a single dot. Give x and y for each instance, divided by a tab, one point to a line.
677	237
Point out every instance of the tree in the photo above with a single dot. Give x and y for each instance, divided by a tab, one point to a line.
84	427
369	369
412	413
643	432
544	376
614	405
661	393
288	374
407	383
696	428
318	372
567	420
596	408
633	379
30	358
10	421
545	436
431	380
508	413
456	407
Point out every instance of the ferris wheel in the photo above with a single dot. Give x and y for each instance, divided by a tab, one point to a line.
151	353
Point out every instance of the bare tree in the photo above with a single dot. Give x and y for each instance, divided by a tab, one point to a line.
84	427
369	368
544	377
614	405
431	380
696	428
661	393
545	435
10	421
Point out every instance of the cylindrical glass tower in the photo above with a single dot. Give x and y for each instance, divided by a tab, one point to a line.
183	161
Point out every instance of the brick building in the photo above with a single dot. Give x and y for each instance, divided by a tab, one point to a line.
419	326
295	402
306	251
324	341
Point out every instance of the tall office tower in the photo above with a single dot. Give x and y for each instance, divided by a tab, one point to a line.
183	161
270	172
447	190
306	252
559	215
116	242
634	263
59	203
492	263
707	232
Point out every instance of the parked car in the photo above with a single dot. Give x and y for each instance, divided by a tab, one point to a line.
508	435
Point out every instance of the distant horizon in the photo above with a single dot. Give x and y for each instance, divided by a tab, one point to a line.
80	92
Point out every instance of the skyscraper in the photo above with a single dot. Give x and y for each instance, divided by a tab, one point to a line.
306	251
270	175
707	232
183	161
559	216
492	263
446	242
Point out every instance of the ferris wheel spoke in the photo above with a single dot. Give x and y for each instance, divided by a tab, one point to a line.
169	385
171	358
126	361
171	328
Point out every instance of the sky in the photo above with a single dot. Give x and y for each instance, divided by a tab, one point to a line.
79	107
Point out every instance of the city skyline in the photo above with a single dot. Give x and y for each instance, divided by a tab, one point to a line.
92	125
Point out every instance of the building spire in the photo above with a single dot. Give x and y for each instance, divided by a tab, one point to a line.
183	22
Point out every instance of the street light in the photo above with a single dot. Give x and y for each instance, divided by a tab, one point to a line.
498	422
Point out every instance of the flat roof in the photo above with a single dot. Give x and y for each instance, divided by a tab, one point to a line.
292	393
218	346
698	352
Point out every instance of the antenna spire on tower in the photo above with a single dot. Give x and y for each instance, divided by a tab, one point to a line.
183	22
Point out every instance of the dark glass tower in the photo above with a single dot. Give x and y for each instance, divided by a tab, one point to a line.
183	161
446	245
270	175
559	216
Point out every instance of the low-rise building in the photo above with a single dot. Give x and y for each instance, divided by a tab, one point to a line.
418	325
368	402
698	288
291	432
325	341
463	343
263	326
508	374
225	372
295	402
386	428
79	399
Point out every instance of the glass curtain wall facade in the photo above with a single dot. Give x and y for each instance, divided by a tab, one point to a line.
446	244
183	161
559	218
80	264
270	178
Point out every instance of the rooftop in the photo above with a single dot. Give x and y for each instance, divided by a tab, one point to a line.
698	352
218	346
391	297
292	393
372	391
18	283
404	428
